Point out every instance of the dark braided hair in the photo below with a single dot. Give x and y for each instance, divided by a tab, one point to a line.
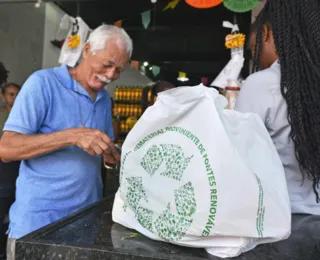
295	26
3	74
261	20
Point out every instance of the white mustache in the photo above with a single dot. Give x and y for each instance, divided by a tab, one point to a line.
104	79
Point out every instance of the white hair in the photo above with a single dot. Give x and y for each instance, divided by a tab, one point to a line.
99	36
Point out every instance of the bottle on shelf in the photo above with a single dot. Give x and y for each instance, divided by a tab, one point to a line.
116	94
126	128
119	94
149	96
119	109
122	126
127	110
134	94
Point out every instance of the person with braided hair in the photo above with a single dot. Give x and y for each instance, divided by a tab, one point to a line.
285	92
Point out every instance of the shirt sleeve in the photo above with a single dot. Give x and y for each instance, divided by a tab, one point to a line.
30	107
255	97
109	130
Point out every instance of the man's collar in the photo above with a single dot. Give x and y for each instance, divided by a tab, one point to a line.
63	75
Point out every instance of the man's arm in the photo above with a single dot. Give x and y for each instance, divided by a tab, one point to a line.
15	146
21	139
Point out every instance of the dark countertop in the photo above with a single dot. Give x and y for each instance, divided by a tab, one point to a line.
91	234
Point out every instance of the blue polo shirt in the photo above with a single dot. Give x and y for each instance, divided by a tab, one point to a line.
55	185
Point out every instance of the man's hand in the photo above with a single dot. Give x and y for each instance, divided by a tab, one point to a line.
96	142
16	147
111	159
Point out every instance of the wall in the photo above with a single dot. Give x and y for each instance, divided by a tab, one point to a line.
21	44
53	15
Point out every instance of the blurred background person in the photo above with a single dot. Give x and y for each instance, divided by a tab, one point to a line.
150	94
3	80
8	171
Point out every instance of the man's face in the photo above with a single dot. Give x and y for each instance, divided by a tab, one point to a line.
10	95
104	66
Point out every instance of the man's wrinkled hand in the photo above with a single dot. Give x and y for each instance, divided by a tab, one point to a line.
111	159
94	142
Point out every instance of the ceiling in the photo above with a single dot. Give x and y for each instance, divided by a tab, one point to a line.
183	39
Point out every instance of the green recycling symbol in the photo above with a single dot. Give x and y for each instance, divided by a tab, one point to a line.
168	225
172	155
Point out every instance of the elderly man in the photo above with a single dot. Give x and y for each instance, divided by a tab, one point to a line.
61	127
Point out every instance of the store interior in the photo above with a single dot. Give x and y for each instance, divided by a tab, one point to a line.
173	41
200	143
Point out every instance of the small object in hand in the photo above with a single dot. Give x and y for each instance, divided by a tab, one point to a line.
118	149
113	166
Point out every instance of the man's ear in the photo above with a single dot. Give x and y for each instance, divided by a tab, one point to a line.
86	50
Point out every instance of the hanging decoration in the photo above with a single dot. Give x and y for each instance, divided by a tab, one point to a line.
171	5
118	23
134	64
145	68
230	72
234	42
241	6
182	76
73	39
76	39
65	23
57	43
202	4
155	70
146	18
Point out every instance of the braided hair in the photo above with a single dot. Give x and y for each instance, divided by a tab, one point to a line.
3	74
296	32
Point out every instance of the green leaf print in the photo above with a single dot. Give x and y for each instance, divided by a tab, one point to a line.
185	200
144	217
176	162
171	227
152	160
135	192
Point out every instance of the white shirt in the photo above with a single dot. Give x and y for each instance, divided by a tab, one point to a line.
261	94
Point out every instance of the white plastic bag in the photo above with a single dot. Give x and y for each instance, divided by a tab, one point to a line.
70	56
194	174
